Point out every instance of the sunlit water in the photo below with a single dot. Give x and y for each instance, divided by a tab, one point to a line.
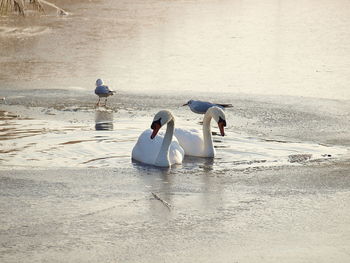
257	47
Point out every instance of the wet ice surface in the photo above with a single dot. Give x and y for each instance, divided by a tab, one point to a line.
110	215
75	135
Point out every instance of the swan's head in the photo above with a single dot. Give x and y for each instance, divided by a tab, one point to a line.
160	119
219	116
188	103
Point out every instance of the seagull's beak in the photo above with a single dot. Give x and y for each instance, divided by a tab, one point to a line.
222	124
155	127
185	104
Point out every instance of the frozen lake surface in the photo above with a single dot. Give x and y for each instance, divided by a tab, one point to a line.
278	189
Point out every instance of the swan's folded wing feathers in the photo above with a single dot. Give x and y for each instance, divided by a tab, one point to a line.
146	149
190	140
176	152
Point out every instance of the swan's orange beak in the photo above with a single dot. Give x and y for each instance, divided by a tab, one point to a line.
155	127
155	131
222	124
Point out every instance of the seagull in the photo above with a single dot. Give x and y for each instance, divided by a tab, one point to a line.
102	91
201	107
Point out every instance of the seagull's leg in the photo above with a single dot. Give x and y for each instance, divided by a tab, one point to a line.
105	101
98	102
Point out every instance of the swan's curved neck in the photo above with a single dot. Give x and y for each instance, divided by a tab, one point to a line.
208	149
163	155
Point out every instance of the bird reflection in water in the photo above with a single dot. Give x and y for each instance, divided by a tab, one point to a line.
103	119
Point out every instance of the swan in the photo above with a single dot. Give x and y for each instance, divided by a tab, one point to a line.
201	107
161	150
202	146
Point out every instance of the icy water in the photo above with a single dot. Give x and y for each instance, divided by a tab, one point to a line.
278	189
74	133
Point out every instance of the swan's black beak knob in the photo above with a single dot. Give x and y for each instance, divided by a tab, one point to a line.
222	124
155	126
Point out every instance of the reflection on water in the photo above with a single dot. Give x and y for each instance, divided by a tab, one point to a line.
143	168
103	119
206	164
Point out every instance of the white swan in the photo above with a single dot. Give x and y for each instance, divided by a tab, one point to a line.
202	146
161	150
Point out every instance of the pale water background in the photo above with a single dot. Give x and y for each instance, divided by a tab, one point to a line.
278	190
298	48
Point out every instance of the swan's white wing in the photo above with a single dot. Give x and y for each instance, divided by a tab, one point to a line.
176	152
146	149
191	141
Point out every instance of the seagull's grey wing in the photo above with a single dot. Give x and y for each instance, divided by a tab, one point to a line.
200	107
109	91
224	105
102	90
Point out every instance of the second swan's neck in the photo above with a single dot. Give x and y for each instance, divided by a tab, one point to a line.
163	155
208	149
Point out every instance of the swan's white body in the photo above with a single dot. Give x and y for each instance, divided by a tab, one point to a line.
199	145
162	150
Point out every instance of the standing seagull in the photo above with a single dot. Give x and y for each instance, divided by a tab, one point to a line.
102	91
201	107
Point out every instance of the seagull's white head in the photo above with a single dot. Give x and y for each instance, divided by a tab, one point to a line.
99	82
188	103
